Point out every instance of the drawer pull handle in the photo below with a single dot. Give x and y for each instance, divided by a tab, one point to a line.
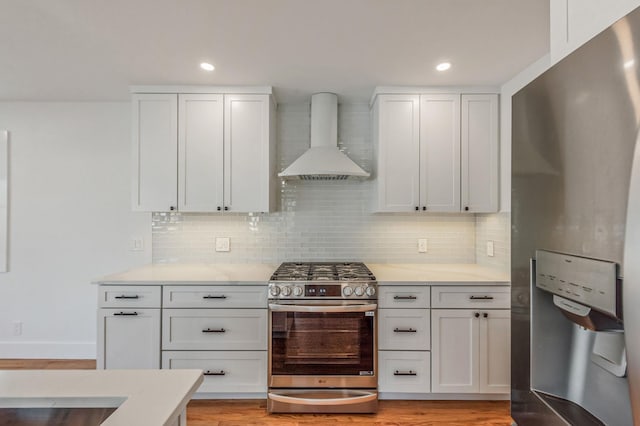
127	297
404	330
214	373
404	297
405	373
209	296
214	330
481	298
126	314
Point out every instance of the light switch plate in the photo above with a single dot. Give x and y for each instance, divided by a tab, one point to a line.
222	244
422	245
490	248
136	244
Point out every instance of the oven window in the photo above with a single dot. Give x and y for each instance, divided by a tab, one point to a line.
315	343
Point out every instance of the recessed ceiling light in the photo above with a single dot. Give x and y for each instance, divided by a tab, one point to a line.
207	66
443	66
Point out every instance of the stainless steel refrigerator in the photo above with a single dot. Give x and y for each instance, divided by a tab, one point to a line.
576	237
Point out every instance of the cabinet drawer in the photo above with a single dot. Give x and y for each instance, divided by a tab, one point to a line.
214	329
400	371
404	329
471	297
224	371
404	296
215	296
117	296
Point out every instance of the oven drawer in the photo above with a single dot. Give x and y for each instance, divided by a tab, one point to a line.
404	296
214	329
129	296
214	296
403	371
471	297
404	329
224	371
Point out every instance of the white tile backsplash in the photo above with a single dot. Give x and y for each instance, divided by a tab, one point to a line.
328	220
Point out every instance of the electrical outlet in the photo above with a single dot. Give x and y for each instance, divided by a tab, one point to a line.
136	244
422	245
490	248
17	328
222	244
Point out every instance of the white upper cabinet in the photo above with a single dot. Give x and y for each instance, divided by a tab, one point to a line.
397	146
436	152
249	155
200	150
479	153
440	153
204	152
155	157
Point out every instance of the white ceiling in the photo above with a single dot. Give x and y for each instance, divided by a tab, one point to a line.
95	49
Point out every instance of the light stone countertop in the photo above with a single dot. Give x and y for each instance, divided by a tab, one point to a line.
260	273
143	397
178	273
441	274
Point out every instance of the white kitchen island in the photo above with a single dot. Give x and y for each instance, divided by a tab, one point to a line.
143	397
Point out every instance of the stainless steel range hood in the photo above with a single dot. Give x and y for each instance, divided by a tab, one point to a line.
323	160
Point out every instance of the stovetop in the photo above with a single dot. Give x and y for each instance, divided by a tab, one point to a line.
322	280
323	271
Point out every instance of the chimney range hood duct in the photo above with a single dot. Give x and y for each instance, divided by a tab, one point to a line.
323	160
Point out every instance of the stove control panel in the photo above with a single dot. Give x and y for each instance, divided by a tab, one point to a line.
297	290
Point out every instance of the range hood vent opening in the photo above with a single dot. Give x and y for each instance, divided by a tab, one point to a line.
323	160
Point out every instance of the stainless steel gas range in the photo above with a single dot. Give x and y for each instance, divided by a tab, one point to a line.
322	345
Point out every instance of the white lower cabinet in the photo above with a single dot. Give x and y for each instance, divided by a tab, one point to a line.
224	371
214	329
471	350
404	371
128	338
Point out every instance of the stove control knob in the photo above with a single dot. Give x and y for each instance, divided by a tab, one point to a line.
286	291
359	291
370	291
347	291
274	291
297	291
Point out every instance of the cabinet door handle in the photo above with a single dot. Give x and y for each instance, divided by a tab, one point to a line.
226	208
405	373
481	298
214	330
424	208
218	208
466	209
477	314
172	208
214	373
404	297
127	297
404	330
210	296
486	315
417	208
125	314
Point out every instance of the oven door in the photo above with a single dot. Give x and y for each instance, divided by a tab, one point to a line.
322	344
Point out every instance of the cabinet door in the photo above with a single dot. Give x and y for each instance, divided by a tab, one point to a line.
454	351
440	153
128	338
247	153
396	120
200	148
495	351
479	153
155	154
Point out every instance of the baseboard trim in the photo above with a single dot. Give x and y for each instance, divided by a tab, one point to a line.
48	350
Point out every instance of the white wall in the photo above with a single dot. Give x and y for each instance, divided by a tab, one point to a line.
70	221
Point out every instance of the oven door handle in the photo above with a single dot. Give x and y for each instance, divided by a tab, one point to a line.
322	401
319	308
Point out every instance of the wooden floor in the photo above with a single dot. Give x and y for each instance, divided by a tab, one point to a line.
253	412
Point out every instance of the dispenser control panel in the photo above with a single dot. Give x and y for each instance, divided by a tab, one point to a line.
590	282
